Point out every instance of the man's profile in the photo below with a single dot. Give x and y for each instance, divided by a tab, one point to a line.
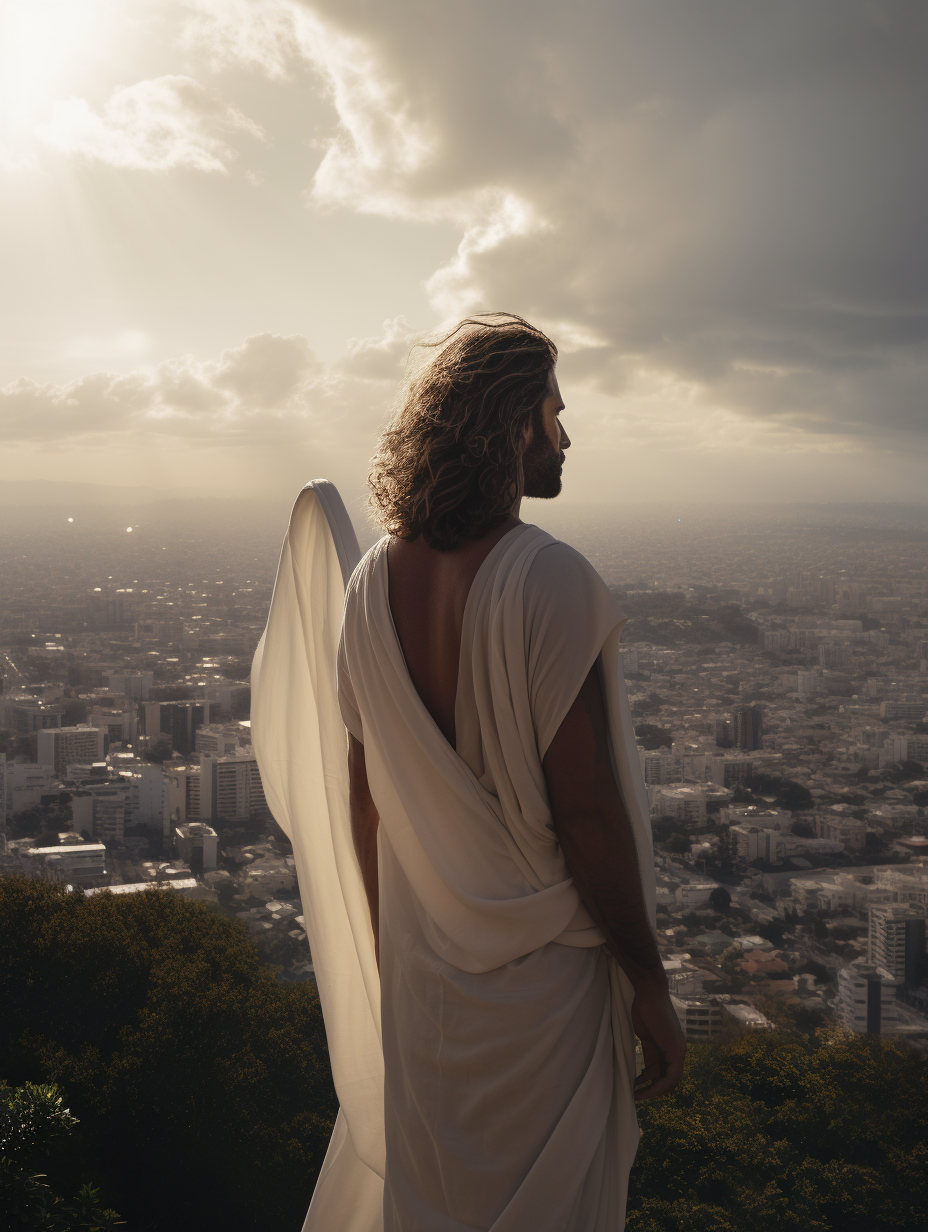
506	865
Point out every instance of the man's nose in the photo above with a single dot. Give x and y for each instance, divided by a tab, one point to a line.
565	439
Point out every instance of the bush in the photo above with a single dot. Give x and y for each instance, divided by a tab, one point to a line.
201	1083
35	1131
771	1134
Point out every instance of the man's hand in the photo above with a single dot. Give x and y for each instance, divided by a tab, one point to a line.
662	1042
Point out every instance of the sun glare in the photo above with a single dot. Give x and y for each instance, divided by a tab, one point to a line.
42	43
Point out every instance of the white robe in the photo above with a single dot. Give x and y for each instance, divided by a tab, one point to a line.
508	1050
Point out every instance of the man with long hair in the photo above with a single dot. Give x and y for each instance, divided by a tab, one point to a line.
498	816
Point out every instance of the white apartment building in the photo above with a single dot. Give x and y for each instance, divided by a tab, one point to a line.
119	724
910	748
59	747
221	738
896	942
103	809
181	796
867	1001
851	834
660	766
686	804
758	843
706	1018
728	771
230	787
908	886
82	864
694	895
146	780
22	785
197	845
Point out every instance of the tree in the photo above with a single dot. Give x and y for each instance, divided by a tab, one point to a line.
726	850
720	900
182	1055
226	893
803	829
651	737
159	750
678	844
874	843
34	1126
920	799
776	1131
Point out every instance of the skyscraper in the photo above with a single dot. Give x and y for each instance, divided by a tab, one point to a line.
747	724
896	941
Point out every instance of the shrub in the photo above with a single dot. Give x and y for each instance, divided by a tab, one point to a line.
201	1083
772	1134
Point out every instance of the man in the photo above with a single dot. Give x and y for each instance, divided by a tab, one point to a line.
498	816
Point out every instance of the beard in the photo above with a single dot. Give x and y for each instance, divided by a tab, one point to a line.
541	465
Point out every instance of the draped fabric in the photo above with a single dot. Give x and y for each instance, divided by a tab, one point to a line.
485	1080
508	1046
300	743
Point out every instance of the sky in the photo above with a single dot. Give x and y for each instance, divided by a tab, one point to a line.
224	223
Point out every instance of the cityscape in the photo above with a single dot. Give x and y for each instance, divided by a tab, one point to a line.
776	662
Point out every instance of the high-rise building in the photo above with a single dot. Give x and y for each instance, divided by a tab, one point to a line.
181	796
179	720
22	785
60	747
230	787
867	1000
103	809
896	942
832	654
727	771
913	711
747	727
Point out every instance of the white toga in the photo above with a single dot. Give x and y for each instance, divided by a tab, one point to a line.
508	1052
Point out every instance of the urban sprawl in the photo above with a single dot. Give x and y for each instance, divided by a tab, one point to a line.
782	727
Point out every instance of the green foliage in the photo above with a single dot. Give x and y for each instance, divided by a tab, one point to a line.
803	829
787	793
202	1083
720	899
772	1134
678	844
34	1124
650	736
665	618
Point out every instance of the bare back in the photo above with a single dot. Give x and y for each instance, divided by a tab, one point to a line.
428	594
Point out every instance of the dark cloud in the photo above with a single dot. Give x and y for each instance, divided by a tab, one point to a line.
733	194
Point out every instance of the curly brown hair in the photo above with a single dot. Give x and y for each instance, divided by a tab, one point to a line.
448	465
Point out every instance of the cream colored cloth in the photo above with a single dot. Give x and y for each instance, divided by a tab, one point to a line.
507	1040
299	741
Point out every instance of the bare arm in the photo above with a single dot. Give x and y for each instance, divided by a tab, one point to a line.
364	822
599	847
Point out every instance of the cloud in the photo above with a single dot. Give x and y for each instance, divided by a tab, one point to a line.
270	390
157	125
723	195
